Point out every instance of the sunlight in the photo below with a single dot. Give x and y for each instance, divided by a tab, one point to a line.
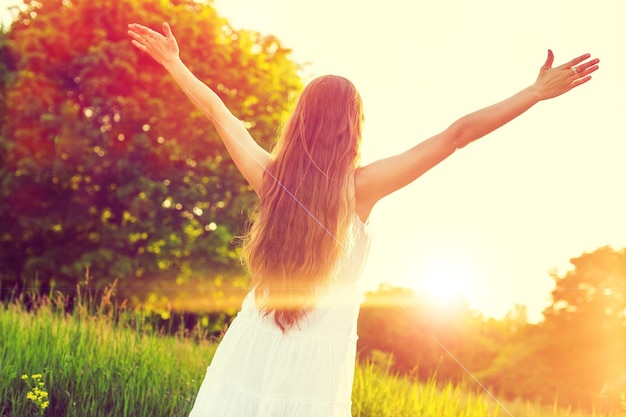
447	279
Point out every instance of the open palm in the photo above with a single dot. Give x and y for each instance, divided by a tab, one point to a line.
163	48
553	82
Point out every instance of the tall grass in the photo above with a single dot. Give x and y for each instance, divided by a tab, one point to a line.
101	360
95	363
378	393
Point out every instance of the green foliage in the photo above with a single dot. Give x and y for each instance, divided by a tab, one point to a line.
578	351
576	354
105	164
589	316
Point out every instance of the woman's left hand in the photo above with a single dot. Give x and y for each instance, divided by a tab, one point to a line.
553	82
164	49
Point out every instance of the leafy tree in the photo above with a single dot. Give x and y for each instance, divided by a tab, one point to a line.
105	164
577	354
587	326
518	368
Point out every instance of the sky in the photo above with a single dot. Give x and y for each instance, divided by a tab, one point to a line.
493	220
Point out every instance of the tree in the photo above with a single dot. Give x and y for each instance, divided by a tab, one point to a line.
518	367
587	327
576	354
106	165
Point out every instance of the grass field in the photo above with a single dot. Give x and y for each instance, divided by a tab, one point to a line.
105	361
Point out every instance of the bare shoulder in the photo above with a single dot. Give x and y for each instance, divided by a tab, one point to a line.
385	176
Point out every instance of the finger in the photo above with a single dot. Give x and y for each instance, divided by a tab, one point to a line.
582	67
133	34
588	70
139	46
167	30
585	68
576	61
144	32
137	38
139	28
549	59
580	81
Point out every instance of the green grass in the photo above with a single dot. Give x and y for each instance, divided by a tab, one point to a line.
105	361
377	393
97	364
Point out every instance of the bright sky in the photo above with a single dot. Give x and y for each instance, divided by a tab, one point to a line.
496	217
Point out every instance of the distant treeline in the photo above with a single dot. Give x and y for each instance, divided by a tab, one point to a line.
576	354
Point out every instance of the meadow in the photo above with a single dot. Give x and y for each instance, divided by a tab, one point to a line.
107	360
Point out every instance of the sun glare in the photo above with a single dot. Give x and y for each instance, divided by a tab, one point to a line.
447	279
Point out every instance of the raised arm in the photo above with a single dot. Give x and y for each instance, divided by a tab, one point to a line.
250	158
385	176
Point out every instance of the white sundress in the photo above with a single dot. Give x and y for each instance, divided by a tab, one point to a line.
258	371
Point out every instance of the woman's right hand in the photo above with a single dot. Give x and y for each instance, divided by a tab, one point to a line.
553	82
164	49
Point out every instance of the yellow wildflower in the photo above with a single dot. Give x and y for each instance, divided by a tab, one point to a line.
38	394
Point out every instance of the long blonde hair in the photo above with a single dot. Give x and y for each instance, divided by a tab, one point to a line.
302	221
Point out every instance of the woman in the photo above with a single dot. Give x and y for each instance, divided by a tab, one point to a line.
291	349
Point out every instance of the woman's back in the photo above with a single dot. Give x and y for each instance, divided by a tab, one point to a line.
258	370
